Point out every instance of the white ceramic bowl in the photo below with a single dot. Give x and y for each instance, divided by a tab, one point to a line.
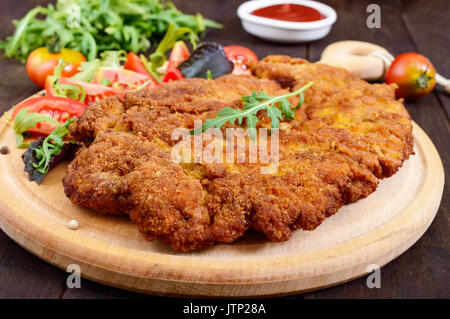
286	31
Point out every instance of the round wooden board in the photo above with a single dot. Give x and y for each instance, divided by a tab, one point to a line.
110	250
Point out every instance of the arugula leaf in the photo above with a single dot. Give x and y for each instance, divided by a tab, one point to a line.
101	25
252	105
88	70
13	46
24	121
44	154
158	58
29	158
51	146
113	59
75	92
148	67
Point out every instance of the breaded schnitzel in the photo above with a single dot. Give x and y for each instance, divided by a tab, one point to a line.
346	136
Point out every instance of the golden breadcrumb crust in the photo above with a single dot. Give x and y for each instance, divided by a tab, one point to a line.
346	136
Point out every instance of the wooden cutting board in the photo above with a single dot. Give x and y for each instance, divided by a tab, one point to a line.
110	250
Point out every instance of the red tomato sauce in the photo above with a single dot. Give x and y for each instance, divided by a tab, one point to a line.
289	12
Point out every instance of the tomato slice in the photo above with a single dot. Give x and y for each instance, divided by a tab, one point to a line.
123	79
59	108
240	56
135	64
172	74
179	53
94	92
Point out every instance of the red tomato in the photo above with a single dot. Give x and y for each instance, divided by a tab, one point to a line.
179	53
240	56
123	79
59	108
135	64
94	92
41	62
172	74
413	73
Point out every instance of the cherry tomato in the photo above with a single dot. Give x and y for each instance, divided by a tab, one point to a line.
179	53
240	56
41	62
94	92
123	79
413	73
59	108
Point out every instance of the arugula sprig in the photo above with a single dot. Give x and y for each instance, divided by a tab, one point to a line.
24	121
75	92
101	25
254	103
51	146
110	59
158	58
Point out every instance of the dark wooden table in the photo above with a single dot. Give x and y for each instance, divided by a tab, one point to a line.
422	26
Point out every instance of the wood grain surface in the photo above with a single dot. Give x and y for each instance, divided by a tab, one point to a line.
406	26
110	250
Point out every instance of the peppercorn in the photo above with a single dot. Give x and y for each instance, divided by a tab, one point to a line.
4	150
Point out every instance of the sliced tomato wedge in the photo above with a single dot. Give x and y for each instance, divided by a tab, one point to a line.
135	64
123	79
179	53
59	108
240	56
94	92
172	74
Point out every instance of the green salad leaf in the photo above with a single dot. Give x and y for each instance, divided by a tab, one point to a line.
24	121
51	146
44	154
94	26
75	91
113	59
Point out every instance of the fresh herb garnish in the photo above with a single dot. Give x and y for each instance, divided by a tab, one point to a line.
158	58
110	59
42	155
51	146
105	82
99	25
148	67
24	121
29	158
75	91
252	105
